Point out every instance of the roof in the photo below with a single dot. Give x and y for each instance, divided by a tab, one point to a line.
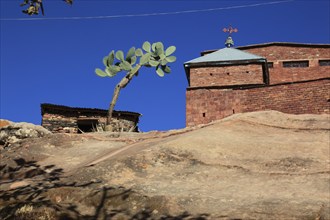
225	55
46	107
287	44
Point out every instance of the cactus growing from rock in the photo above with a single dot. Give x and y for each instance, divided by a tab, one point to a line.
150	55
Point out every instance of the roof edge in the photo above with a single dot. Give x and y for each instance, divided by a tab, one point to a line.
247	56
68	108
290	44
226	63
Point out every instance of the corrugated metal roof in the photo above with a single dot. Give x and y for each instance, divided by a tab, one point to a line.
289	44
225	55
47	107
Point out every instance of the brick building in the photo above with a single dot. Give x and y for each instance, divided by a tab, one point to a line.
287	77
64	119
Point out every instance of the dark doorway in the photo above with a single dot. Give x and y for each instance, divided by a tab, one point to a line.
87	125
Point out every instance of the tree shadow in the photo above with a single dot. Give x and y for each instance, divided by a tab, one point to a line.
27	192
108	194
27	184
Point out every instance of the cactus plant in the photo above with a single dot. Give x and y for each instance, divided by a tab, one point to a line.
150	55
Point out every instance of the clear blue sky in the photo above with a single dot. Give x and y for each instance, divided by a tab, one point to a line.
53	61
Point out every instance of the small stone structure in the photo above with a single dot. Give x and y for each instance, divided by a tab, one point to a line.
64	119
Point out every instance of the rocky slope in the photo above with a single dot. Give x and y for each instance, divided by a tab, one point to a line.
262	165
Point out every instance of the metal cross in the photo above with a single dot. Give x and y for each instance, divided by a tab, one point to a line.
230	30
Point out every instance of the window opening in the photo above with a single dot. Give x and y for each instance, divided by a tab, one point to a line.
324	62
293	64
204	114
270	65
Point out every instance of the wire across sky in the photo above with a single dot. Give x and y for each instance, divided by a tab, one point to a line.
146	14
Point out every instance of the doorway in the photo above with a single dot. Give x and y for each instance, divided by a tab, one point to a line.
87	125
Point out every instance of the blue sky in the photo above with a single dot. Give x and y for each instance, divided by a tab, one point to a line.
52	60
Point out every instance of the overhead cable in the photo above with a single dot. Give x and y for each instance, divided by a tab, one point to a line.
145	14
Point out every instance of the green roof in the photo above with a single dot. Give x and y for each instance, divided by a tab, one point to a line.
225	55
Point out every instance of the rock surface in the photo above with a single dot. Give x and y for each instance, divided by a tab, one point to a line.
261	165
4	123
11	132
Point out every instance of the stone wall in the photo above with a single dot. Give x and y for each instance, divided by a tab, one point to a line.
62	124
59	124
277	54
123	125
206	105
289	52
226	75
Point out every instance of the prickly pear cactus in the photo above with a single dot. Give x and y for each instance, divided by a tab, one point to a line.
150	55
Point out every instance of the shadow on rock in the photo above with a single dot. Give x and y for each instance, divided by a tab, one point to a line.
24	189
30	191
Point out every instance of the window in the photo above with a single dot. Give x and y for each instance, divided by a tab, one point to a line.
270	64
324	62
290	64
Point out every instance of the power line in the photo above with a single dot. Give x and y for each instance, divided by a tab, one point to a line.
146	14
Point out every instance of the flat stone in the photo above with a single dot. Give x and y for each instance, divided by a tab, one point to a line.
18	184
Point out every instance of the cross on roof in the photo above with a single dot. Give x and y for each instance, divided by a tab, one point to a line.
229	42
230	30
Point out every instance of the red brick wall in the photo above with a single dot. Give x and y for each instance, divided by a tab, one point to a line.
280	74
226	75
206	105
279	53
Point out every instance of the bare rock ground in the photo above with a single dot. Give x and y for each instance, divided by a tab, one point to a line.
260	165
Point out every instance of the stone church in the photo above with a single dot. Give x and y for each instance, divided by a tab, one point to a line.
287	77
